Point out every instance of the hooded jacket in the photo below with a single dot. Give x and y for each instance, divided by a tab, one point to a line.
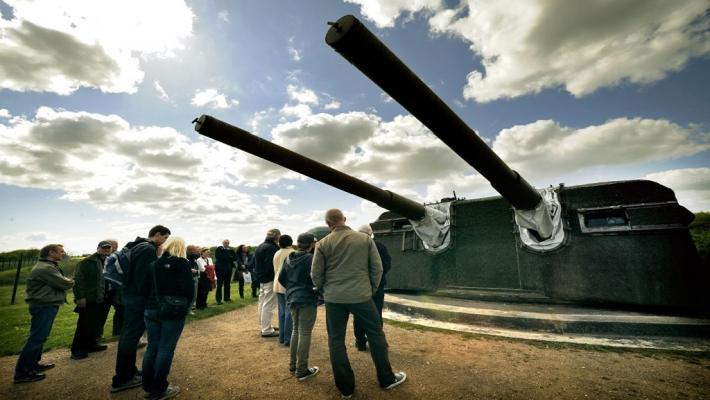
295	276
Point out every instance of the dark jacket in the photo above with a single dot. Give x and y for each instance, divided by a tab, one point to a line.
295	276
172	278
142	255
47	285
89	281
386	264
224	258
264	261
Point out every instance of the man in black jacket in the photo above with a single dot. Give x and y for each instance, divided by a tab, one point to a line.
379	296
143	253
225	256
264	269
91	304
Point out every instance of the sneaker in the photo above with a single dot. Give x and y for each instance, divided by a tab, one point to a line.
79	356
361	347
169	393
219	303
287	344
33	377
43	367
312	371
399	379
130	384
292	371
346	396
268	335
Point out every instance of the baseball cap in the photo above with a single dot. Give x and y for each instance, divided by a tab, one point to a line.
104	244
305	239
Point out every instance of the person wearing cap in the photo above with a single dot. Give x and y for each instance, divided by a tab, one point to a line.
91	304
264	270
347	270
295	276
379	296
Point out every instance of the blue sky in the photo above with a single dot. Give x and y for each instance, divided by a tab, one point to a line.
96	100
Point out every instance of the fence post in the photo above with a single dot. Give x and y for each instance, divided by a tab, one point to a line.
17	278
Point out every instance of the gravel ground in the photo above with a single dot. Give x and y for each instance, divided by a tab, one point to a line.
224	357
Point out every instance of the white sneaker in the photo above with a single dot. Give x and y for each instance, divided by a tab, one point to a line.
399	379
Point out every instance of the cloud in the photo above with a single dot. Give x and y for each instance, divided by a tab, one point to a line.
213	99
302	95
161	92
4	113
36	237
223	16
273	199
691	186
544	148
293	51
62	46
333	105
298	111
104	161
385	13
582	47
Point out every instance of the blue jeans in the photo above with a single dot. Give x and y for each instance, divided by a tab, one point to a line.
40	327
163	336
133	328
285	320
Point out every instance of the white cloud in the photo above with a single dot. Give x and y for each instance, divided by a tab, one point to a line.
544	148
104	161
385	13
302	95
223	16
386	98
582	47
298	111
278	200
213	99
161	92
62	46
294	52
691	186
333	105
4	113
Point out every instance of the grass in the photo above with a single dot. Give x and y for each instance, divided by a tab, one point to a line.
15	319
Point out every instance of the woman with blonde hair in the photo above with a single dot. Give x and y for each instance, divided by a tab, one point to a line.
169	281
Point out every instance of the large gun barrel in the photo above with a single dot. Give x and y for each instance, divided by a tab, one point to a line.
349	37
241	139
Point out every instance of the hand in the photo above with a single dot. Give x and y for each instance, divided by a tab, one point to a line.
81	303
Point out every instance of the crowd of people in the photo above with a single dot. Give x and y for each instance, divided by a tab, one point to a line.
163	280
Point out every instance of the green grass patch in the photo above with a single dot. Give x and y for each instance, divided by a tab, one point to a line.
15	319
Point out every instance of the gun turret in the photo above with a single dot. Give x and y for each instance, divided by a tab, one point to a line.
349	37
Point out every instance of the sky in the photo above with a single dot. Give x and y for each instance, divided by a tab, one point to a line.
97	99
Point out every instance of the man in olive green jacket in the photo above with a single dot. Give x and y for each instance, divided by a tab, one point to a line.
46	291
91	304
347	270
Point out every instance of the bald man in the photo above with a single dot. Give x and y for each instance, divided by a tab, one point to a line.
347	270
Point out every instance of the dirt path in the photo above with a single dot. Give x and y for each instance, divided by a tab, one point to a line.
225	358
